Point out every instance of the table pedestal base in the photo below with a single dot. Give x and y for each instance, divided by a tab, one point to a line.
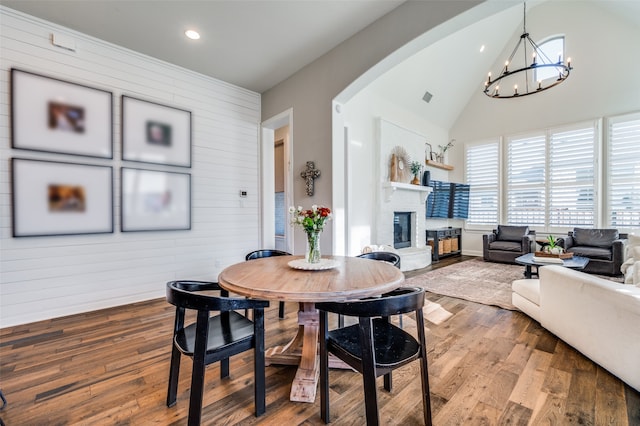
302	351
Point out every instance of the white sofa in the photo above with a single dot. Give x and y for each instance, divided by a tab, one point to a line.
631	266
598	317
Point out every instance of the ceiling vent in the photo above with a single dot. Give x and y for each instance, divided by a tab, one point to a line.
427	97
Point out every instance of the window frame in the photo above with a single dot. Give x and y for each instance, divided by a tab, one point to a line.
607	182
540	46
470	146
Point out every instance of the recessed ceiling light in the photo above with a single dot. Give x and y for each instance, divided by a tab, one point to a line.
482	48
193	35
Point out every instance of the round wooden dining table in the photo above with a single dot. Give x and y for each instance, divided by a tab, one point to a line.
272	278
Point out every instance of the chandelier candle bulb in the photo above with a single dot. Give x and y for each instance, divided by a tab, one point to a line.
515	89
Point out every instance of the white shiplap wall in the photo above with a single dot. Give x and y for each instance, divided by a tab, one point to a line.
46	277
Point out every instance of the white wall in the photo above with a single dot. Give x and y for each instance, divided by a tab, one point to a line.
365	172
45	277
604	81
311	90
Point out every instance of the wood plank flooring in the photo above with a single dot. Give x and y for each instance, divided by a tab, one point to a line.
487	366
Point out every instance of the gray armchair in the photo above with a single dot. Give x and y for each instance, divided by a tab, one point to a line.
507	242
603	247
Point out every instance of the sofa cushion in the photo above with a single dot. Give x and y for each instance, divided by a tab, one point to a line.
505	246
511	233
594	237
529	289
591	252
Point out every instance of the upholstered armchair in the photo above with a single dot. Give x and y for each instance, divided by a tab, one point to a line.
508	242
603	247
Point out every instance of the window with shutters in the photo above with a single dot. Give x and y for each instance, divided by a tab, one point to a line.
526	174
550	178
623	171
482	169
571	194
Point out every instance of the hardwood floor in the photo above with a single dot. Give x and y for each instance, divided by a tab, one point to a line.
487	366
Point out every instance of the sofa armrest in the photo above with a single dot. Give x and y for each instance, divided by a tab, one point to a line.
489	238
566	242
528	242
617	251
596	316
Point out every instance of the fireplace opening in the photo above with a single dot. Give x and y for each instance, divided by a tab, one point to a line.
401	229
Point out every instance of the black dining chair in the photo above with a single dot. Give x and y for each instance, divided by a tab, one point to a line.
374	346
269	253
214	338
384	256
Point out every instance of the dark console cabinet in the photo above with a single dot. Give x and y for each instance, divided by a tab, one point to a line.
444	242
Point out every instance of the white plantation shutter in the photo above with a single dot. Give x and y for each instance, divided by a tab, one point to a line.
526	171
624	172
572	178
482	174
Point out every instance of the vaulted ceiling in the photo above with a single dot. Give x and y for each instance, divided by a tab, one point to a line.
257	44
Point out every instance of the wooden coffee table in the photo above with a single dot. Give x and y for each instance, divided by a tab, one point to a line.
575	262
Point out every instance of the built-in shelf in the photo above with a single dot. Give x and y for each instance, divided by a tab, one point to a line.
438	165
391	187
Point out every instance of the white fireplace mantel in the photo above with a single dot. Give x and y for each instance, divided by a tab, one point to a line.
390	188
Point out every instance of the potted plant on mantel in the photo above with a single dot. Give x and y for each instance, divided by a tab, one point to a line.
415	169
443	149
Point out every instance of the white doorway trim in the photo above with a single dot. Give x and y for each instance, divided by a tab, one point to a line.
267	182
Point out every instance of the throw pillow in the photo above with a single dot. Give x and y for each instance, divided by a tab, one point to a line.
633	240
636	273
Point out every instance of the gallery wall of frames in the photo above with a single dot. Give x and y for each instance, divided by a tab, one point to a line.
63	198
118	172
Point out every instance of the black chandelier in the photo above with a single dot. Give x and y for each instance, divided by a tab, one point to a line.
522	78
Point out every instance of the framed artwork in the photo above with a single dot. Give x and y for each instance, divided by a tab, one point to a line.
155	133
155	200
53	115
55	198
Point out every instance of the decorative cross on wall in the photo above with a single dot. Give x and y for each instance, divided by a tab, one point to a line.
309	175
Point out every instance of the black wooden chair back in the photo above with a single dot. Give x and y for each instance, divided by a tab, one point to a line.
374	346
385	256
214	338
269	253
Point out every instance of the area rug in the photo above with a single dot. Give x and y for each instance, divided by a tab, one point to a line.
474	280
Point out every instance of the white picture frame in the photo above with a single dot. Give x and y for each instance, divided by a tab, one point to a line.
58	198
155	133
153	200
52	115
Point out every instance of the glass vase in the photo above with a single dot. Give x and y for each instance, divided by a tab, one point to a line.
313	247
